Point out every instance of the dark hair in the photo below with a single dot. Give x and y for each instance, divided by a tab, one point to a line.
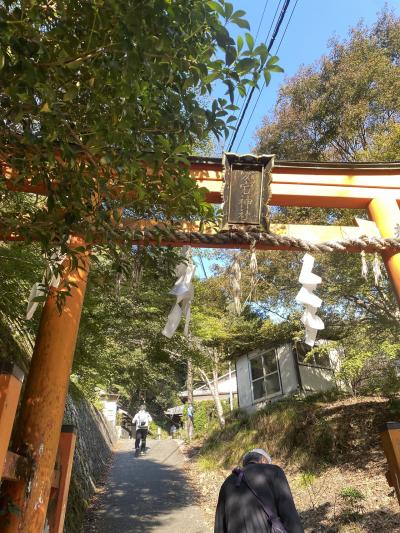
252	457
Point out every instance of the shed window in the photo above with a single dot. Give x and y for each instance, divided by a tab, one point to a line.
265	375
318	358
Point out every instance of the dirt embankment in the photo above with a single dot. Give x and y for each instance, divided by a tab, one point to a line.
330	452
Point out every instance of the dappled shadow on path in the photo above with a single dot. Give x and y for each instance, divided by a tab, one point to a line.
143	493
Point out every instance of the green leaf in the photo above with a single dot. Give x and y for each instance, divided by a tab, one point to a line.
2	60
240	43
267	76
211	77
242	90
275	68
228	10
231	90
222	37
262	51
272	60
216	6
245	65
250	41
230	55
242	23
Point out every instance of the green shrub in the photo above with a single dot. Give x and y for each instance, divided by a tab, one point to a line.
205	415
352	500
307	481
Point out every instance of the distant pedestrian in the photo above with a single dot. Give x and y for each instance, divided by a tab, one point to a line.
142	420
190	421
256	499
173	430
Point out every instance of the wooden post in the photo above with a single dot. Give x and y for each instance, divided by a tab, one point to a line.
11	378
66	450
39	426
385	212
391	445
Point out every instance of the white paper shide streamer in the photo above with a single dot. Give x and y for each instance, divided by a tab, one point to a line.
184	292
39	288
306	296
376	269
235	278
364	265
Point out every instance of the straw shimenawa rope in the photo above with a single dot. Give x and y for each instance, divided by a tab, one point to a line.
240	237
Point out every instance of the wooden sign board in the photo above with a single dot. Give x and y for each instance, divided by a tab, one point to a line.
246	190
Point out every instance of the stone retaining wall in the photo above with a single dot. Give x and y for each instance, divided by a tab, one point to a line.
95	439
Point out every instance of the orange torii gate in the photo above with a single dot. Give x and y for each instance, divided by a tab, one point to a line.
371	186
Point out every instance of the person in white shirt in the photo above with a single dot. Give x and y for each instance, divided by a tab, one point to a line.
142	420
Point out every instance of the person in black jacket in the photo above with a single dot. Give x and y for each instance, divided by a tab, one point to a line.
239	510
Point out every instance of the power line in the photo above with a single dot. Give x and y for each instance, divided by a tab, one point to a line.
265	40
271	43
272	22
286	27
261	19
263	87
255	40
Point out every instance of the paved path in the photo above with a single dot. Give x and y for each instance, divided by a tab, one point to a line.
148	493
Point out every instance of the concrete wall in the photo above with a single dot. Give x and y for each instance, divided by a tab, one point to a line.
243	382
316	379
95	439
110	410
287	369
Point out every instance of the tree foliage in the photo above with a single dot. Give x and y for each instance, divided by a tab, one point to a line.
346	107
100	104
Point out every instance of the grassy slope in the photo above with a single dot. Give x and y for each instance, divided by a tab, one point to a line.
324	446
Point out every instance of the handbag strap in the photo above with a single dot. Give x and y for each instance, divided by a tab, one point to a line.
271	516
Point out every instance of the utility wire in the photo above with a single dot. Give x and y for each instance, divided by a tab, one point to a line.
264	84
272	22
202	265
261	19
286	27
241	111
255	40
271	43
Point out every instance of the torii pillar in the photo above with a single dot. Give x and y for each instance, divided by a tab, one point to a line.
385	212
42	410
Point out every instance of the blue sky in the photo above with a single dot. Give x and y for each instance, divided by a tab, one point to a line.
306	39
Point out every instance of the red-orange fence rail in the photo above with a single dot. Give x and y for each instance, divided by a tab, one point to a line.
391	446
17	468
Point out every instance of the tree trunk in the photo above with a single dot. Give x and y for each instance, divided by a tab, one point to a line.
213	387
189	380
189	387
217	399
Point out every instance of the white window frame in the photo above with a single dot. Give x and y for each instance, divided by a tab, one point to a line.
265	375
312	363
